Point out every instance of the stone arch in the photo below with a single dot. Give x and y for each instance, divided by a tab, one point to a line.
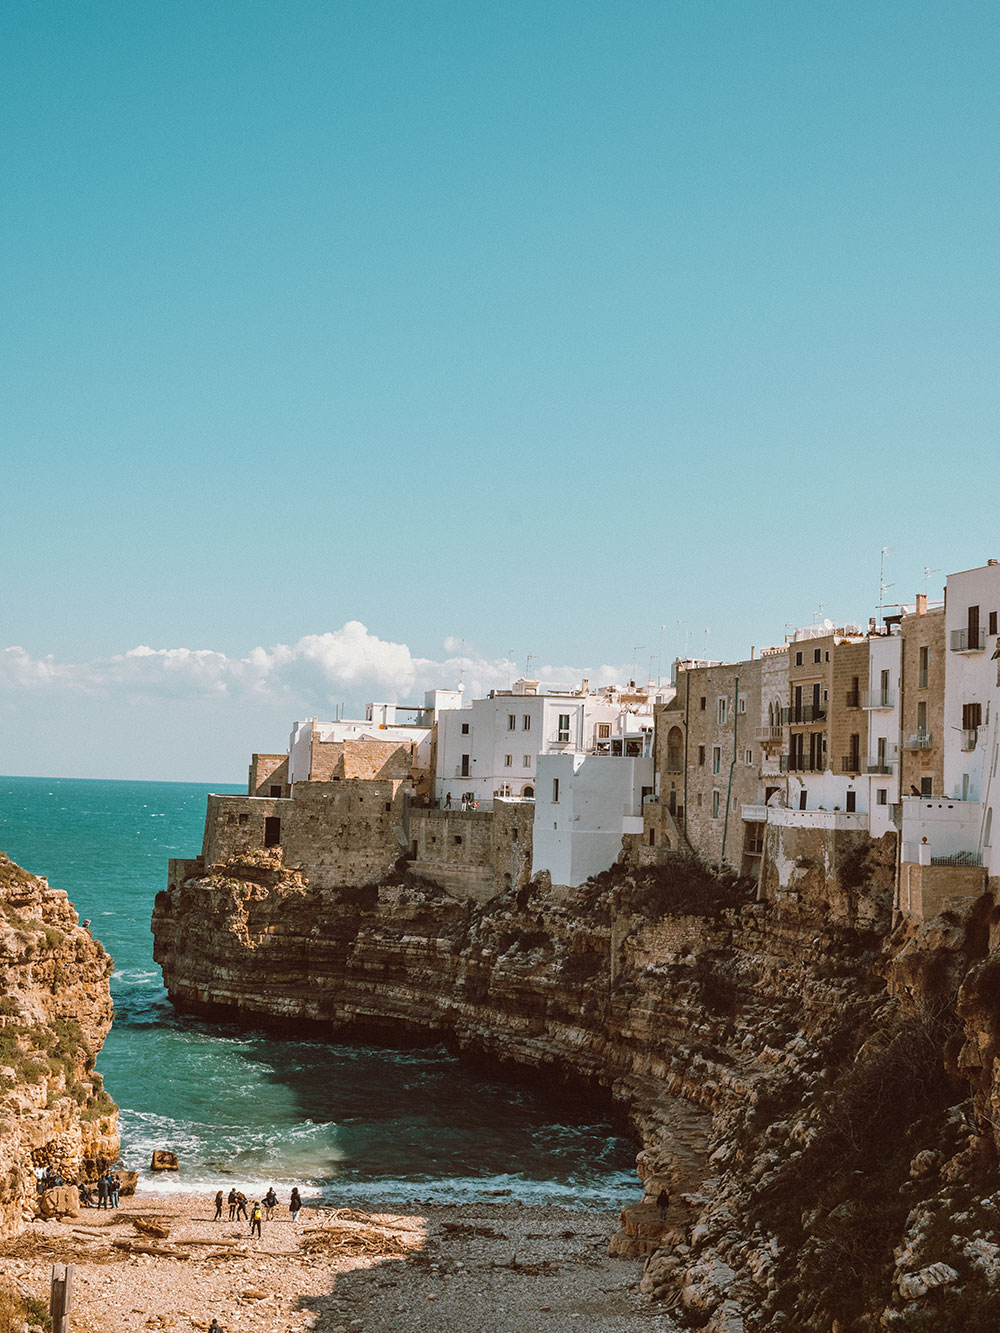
675	750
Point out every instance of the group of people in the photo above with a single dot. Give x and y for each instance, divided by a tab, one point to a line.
261	1210
105	1194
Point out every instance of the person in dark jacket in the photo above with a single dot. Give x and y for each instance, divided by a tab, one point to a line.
219	1200
232	1204
270	1202
102	1192
241	1205
295	1204
663	1203
256	1216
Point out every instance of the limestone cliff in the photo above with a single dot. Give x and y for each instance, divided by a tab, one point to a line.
55	1011
790	1066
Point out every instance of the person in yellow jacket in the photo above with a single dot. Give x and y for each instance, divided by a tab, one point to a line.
256	1217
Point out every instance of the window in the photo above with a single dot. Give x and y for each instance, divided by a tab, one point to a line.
723	706
704	701
244	819
993	622
716	758
922	718
926	785
748	758
881	797
511	721
817	654
802	799
698	800
736	802
798	659
923	666
715	805
564	726
555	791
465	728
701	755
465	766
742	706
272	831
526	722
458	839
275	791
603	731
508	759
526	761
972	716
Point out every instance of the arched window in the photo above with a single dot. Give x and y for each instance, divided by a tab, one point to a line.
675	750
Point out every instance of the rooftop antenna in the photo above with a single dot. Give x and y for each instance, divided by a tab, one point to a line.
687	652
659	660
527	664
927	577
461	669
819	611
510	664
883	587
635	652
707	633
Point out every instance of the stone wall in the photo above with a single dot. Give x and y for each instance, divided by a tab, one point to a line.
923	631
847	718
927	891
267	771
454	849
362	758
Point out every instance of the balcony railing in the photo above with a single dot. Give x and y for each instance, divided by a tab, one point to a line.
883	766
878	699
851	763
800	763
854	698
920	740
970	737
795	716
755	814
768	735
964	642
958	859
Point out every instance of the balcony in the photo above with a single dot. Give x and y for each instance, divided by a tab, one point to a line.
970	737
962	641
879	766
878	699
804	713
768	735
920	740
755	814
851	763
800	763
958	859
853	699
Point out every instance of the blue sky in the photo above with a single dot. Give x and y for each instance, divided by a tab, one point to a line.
530	327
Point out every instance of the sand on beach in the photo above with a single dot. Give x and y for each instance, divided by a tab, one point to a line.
491	1266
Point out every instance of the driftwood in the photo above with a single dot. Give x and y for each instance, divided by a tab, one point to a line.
150	1226
157	1251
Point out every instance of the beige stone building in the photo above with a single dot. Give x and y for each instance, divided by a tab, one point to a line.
922	704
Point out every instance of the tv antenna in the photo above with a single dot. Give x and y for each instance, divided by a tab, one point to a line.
927	576
883	587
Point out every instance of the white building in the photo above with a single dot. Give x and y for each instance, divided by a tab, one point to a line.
585	803
492	747
382	721
951	835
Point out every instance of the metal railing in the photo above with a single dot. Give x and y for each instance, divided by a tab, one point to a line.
920	740
803	713
962	641
800	763
878	699
851	763
883	766
853	698
958	859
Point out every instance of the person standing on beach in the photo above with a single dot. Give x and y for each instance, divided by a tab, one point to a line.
218	1206
270	1203
116	1189
241	1205
256	1215
232	1204
295	1204
102	1192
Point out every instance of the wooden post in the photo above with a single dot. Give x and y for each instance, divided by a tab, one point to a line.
61	1297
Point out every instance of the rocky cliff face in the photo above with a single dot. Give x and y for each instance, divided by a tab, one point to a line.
791	1068
55	1011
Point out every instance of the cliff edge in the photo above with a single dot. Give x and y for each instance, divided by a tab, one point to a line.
55	1011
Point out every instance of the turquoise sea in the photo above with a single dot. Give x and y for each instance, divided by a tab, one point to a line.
353	1123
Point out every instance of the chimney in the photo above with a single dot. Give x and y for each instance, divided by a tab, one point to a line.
993	562
921	603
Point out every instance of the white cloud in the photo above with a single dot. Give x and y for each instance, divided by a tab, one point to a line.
349	664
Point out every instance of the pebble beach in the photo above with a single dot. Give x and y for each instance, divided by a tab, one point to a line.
492	1265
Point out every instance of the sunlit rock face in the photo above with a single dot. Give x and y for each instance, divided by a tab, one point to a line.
55	1012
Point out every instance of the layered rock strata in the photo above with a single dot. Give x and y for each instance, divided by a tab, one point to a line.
791	1067
55	1011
